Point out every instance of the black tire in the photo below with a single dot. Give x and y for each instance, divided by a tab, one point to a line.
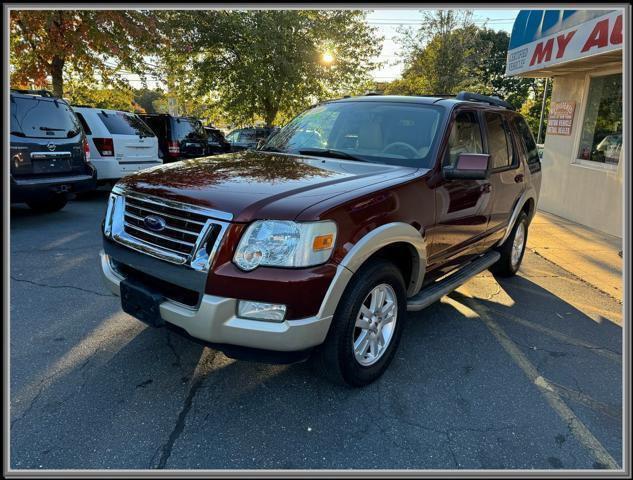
505	267
49	204
335	358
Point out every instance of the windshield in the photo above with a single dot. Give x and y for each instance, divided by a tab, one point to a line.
122	123
377	132
39	118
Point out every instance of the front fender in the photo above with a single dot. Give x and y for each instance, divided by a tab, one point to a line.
372	242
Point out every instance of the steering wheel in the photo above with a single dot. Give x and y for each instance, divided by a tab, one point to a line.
401	145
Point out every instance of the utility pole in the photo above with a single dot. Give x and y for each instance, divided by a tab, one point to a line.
540	123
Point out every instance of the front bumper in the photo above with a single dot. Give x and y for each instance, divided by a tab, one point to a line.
214	320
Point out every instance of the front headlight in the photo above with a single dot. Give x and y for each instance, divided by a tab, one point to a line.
277	243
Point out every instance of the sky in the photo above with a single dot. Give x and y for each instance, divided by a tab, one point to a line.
388	20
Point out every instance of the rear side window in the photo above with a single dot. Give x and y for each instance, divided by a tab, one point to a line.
465	137
84	124
527	139
157	125
39	118
186	129
121	123
499	142
247	136
214	137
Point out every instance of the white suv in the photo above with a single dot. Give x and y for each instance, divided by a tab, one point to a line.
120	142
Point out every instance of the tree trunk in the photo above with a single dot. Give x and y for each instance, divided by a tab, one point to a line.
269	116
57	70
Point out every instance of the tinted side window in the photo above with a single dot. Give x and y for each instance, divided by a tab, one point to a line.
499	143
465	137
121	123
247	136
527	139
186	129
84	124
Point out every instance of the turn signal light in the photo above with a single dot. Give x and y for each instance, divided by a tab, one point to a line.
323	242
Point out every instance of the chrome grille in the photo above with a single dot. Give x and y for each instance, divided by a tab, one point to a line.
189	235
181	228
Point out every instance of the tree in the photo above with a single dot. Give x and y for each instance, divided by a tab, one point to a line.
268	63
449	53
92	42
438	55
147	98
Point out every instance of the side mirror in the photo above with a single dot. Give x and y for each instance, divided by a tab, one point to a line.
260	143
469	166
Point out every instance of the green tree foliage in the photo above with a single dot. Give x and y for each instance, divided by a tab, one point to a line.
449	53
96	95
147	99
531	108
44	43
268	63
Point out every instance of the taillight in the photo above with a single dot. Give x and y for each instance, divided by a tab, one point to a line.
173	148
86	149
105	146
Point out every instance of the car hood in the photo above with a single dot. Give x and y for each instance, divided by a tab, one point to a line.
252	185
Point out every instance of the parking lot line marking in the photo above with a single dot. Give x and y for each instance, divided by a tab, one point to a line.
560	336
580	397
578	429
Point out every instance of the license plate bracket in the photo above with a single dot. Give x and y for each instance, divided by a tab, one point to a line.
141	302
52	165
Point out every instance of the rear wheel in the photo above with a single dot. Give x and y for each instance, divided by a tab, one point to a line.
48	204
512	249
366	327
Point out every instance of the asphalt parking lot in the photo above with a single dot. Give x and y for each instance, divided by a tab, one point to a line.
524	373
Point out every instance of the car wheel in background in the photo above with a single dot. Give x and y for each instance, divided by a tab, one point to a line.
48	204
512	249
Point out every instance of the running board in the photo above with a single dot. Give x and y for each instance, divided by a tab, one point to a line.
437	290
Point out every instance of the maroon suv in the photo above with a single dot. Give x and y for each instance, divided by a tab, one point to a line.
318	244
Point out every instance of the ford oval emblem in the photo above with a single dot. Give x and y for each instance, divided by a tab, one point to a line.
154	222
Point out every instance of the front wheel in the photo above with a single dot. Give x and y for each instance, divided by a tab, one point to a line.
366	327
512	249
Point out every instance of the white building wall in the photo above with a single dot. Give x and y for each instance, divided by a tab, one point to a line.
589	195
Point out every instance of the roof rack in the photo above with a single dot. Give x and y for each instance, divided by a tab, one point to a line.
43	93
489	99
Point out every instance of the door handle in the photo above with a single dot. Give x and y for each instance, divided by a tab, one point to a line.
518	178
485	188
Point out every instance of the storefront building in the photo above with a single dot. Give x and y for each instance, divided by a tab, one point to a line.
583	156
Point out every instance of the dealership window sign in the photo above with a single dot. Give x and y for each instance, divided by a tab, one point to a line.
595	36
561	118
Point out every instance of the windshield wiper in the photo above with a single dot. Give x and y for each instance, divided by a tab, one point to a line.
328	152
51	129
18	134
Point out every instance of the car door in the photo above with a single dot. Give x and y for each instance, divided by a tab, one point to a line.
462	206
507	177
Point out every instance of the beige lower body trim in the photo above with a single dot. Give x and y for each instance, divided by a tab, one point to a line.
215	321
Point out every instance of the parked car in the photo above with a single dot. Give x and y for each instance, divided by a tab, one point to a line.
50	155
120	142
248	138
216	143
304	250
179	138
